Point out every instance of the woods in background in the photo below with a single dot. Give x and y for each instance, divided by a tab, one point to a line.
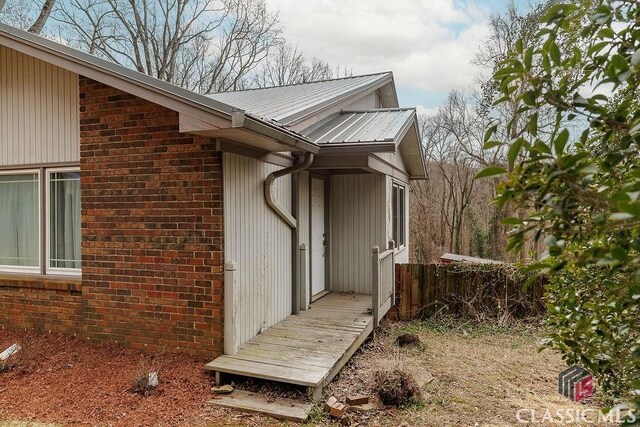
452	211
206	46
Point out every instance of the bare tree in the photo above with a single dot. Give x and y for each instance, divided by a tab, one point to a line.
45	12
202	45
449	137
287	65
20	13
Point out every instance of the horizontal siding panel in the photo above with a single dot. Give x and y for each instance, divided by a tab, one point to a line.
259	242
39	113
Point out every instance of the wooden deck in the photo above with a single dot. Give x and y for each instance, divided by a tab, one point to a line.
308	349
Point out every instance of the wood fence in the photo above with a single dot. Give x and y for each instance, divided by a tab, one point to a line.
481	291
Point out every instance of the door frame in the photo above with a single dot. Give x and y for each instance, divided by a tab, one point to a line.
327	236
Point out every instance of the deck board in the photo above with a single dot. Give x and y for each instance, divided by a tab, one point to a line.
308	349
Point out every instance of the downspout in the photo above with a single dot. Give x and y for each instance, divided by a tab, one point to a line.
268	189
290	219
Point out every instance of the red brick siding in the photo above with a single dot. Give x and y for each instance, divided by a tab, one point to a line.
152	236
40	304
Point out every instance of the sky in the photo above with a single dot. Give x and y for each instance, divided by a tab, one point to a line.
428	44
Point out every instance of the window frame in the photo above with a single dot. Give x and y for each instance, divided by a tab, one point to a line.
399	215
48	270
28	269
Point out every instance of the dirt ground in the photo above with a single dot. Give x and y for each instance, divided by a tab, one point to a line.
469	376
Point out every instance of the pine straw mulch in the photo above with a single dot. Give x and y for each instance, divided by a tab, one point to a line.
64	380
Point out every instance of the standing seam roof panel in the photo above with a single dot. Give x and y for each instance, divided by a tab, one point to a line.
362	127
283	102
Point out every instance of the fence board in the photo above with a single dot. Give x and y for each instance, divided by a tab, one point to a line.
422	290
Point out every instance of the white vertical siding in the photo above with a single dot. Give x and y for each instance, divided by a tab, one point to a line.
259	241
303	223
358	222
39	116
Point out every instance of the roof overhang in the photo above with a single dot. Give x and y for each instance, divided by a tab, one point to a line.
357	163
198	113
412	152
371	132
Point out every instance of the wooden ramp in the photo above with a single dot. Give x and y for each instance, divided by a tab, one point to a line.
307	349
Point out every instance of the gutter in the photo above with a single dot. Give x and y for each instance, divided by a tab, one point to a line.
242	119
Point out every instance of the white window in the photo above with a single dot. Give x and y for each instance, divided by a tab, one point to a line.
20	221
399	215
40	239
63	224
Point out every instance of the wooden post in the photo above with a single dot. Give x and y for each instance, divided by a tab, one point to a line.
375	284
230	309
304	284
392	246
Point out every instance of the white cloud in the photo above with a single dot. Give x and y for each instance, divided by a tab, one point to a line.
428	44
426	111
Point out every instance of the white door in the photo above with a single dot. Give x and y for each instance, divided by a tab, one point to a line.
317	237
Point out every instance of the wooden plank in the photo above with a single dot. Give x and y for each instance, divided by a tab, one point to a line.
415	289
304	354
347	355
315	365
305	335
284	409
357	328
233	365
322	316
405	296
431	290
293	343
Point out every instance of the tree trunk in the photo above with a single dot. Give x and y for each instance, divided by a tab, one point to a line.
45	12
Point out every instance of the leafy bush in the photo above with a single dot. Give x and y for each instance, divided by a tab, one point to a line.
576	175
595	319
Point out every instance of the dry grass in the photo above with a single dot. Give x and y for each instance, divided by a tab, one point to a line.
469	375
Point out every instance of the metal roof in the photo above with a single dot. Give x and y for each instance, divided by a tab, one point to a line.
367	126
286	104
131	81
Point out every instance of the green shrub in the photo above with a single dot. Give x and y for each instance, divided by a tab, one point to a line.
594	316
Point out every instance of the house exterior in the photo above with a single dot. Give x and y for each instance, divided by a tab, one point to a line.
137	212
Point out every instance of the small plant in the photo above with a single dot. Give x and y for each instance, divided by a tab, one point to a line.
397	388
317	414
145	382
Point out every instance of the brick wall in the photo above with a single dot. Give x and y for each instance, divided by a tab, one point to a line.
152	235
49	305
